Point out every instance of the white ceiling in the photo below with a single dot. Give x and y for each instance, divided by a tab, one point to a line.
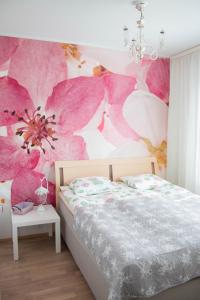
100	22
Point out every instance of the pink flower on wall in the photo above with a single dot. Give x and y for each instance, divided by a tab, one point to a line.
49	112
153	74
158	79
8	45
119	87
42	133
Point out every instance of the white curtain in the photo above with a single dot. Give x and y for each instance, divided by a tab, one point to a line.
184	122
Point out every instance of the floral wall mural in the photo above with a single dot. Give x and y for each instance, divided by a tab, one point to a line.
69	102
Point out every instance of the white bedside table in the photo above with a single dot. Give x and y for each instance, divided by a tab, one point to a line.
34	217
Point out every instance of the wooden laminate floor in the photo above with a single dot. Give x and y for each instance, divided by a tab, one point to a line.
40	274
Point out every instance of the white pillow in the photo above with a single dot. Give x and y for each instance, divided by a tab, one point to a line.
144	181
91	185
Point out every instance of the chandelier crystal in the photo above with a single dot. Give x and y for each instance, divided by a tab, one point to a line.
138	47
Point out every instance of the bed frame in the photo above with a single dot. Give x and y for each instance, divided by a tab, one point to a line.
65	172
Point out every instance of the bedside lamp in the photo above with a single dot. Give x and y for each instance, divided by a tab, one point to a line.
42	193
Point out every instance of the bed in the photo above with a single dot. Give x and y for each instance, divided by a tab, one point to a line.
66	171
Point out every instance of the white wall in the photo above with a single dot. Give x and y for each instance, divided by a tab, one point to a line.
100	22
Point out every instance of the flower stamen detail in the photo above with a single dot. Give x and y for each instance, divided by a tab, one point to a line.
37	129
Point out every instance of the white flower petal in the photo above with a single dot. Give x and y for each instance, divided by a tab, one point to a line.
147	115
97	146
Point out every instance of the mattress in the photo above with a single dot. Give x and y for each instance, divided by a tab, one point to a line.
84	259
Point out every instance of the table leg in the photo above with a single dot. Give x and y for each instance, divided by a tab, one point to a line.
57	237
15	242
50	230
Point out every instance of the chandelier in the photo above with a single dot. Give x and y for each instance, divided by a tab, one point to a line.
138	47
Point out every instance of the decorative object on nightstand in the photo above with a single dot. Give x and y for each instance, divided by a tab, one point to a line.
22	208
42	193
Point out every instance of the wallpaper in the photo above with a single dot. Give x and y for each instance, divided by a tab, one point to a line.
69	102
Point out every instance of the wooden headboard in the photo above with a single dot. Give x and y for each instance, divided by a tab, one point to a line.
66	171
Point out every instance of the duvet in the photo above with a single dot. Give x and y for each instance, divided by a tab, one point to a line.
144	242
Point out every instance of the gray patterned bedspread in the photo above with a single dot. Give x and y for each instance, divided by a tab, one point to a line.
145	243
